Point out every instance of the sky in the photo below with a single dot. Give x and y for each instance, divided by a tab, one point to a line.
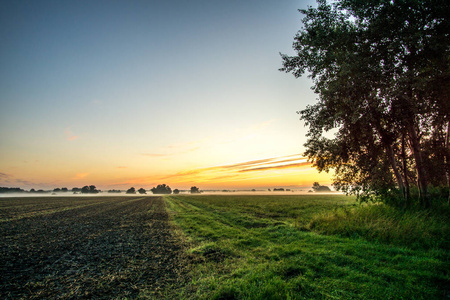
140	93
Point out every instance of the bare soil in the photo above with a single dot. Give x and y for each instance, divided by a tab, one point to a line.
123	247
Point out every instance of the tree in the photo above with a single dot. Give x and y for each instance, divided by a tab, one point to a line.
194	190
320	188
85	190
88	190
131	190
381	70
161	189
93	189
142	191
176	191
11	190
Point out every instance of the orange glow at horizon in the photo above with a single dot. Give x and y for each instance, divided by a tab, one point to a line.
292	170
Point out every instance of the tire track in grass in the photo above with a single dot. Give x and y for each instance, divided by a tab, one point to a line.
122	248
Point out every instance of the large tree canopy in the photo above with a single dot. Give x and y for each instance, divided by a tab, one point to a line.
381	70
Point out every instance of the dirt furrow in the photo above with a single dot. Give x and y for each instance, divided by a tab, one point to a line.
113	250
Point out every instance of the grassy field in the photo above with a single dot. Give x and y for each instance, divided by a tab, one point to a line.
220	247
282	247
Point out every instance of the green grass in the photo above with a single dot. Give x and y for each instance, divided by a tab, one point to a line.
385	224
290	247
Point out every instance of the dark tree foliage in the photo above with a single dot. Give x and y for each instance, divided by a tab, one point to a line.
142	191
11	190
89	190
194	190
161	189
382	73
131	190
176	191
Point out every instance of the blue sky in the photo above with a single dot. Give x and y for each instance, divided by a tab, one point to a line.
123	92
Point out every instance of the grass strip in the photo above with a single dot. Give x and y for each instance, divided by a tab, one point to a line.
260	247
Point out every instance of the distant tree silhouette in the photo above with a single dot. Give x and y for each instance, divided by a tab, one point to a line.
194	190
56	190
142	191
64	189
320	188
176	191
278	190
75	189
89	189
131	190
115	191
11	190
161	189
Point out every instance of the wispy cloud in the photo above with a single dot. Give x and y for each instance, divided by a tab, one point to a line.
4	175
278	167
27	182
69	135
233	170
121	167
247	170
80	175
5	178
12	181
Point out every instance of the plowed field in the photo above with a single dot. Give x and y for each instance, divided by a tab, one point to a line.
87	247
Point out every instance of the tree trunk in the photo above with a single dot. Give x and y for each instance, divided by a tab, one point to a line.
447	159
387	141
405	173
398	176
422	180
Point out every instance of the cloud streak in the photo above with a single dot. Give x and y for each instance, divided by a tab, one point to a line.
278	167
227	173
69	135
4	175
80	176
233	170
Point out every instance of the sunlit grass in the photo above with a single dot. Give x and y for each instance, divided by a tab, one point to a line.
389	225
267	247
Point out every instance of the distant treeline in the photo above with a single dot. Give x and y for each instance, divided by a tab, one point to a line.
84	190
11	190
